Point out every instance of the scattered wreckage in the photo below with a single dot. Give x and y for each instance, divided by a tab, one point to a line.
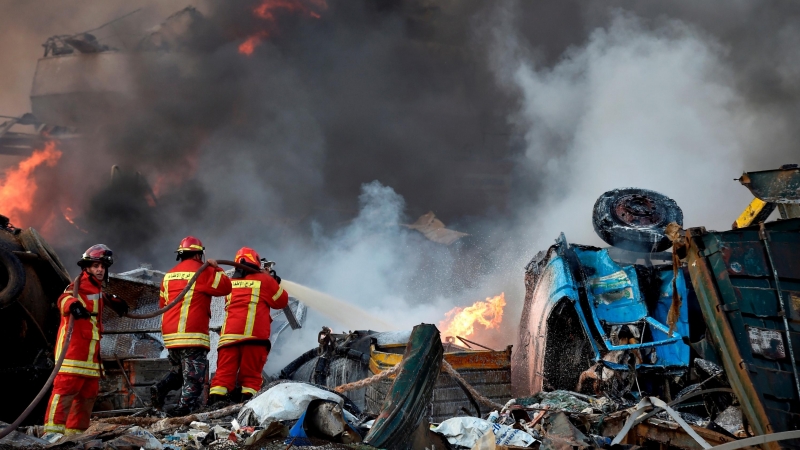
715	317
627	345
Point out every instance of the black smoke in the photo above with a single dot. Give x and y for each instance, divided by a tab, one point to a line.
272	149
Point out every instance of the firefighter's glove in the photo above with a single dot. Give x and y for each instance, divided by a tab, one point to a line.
117	304
78	311
274	274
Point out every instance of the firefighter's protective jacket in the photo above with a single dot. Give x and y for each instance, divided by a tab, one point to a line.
83	353
186	324
247	309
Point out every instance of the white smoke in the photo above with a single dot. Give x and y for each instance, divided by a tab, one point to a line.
368	263
634	107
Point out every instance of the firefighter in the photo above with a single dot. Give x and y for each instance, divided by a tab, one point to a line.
244	340
184	328
76	384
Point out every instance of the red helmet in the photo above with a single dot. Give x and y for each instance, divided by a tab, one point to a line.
249	256
189	244
97	253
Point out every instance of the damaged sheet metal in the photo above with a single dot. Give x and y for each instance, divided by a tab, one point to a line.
774	186
580	302
404	407
434	230
364	353
735	284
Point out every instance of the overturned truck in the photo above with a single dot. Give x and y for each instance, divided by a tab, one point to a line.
636	319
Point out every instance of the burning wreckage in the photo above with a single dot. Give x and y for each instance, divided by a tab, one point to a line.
630	344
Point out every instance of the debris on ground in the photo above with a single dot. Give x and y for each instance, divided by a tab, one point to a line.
466	431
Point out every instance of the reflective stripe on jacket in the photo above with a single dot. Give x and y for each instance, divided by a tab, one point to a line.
186	325
247	309
83	353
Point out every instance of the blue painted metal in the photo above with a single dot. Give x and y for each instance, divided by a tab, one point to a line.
613	291
615	299
672	354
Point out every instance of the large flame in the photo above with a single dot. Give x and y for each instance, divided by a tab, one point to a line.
267	10
18	186
462	321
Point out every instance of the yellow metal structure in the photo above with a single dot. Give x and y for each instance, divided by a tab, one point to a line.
466	360
757	211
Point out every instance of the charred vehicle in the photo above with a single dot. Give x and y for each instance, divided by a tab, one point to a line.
635	319
31	279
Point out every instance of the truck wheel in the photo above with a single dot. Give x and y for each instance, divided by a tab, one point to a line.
635	219
12	277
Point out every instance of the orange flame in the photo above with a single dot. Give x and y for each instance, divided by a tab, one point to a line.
266	11
249	45
68	213
18	187
462	321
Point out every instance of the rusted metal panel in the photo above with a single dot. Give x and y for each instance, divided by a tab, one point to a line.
662	432
774	186
737	293
467	360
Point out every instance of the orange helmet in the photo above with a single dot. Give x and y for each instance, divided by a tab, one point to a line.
247	255
190	244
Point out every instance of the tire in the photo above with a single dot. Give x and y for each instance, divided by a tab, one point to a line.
635	219
15	277
33	242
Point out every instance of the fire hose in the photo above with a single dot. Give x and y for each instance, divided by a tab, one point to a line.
76	288
189	285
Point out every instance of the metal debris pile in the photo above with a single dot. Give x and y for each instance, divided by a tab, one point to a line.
292	413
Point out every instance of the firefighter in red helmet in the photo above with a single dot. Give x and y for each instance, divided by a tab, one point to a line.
244	340
184	328
76	384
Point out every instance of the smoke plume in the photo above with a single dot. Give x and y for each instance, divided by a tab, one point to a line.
344	119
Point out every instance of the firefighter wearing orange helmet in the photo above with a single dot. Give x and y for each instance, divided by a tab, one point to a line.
244	340
184	328
76	384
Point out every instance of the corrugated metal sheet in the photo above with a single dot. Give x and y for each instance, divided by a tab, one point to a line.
736	288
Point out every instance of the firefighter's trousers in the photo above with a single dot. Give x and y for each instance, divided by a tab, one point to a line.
239	362
70	404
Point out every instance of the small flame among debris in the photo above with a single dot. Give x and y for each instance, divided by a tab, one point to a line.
18	187
267	10
462	321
